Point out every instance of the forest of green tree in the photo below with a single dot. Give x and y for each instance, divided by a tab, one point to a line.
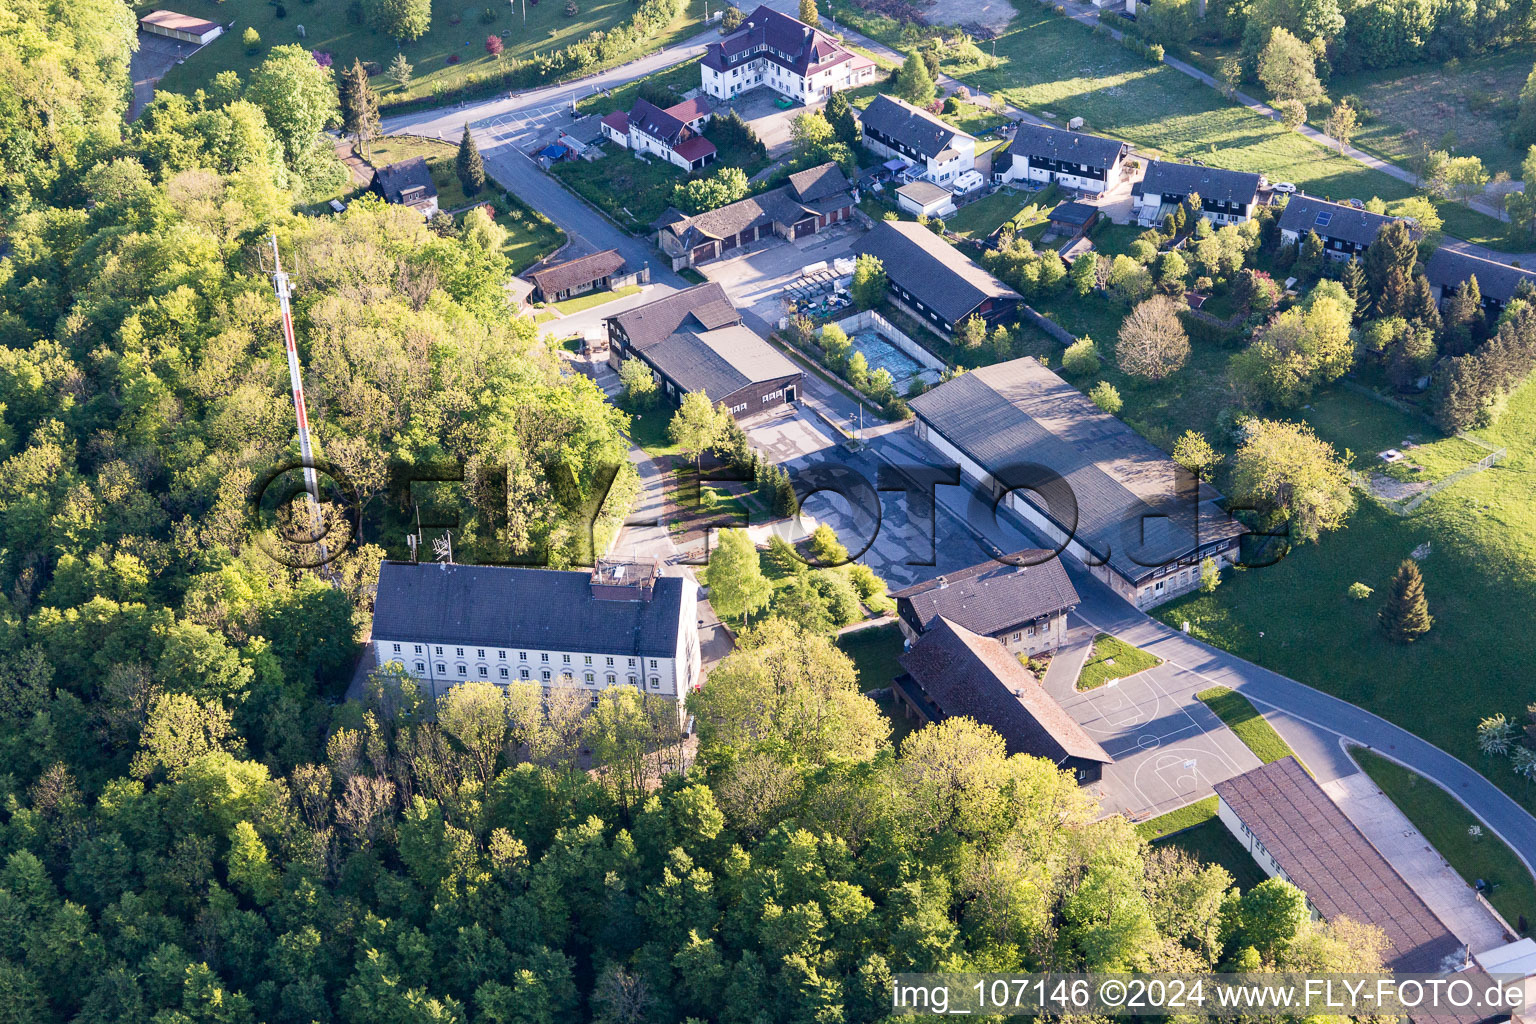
194	828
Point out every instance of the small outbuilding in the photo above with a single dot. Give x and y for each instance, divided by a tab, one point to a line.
925	199
181	27
1072	219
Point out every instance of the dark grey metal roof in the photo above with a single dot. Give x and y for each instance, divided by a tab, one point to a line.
1327	857
705	303
396	178
910	125
1166	178
543	609
1332	220
785	41
819	182
1073	147
939	275
966	674
1019	413
993	597
1447	268
1073	213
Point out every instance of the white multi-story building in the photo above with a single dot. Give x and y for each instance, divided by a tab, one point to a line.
788	56
1074	160
621	624
938	151
1226	197
674	134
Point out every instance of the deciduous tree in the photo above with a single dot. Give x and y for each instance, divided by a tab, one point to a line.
1284	469
737	586
1152	340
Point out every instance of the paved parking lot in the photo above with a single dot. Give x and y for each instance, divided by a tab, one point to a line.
755	278
759	110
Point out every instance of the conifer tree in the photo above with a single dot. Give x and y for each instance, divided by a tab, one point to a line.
1406	614
470	168
359	105
913	83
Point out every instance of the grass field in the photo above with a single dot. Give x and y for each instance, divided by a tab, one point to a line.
679	79
1050	64
1188	816
1244	720
1480	577
1211	843
530	236
1471	100
1113	658
457	31
874	652
1444	822
631	192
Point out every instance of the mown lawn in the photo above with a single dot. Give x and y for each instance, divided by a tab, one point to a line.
1048	63
1113	658
678	79
1211	843
458	30
592	299
1445	823
1480	576
1188	816
1244	720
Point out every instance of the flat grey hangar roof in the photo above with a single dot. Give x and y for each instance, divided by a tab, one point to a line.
1166	178
942	277
1072	147
1323	854
541	609
1127	511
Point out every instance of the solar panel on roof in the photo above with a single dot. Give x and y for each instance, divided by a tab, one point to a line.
1324	217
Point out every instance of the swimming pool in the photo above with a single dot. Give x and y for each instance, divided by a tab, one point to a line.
881	353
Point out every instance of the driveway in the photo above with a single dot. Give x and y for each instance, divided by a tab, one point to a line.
151	62
755	278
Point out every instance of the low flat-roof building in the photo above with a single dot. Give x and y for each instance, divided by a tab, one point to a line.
1282	817
1345	231
569	278
1226	197
694	340
951	671
1109	497
1072	218
1075	160
895	128
812	200
925	199
620	624
181	27
939	282
1021	602
1448	270
407	183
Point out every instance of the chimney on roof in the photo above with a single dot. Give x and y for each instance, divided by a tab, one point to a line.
619	580
943	582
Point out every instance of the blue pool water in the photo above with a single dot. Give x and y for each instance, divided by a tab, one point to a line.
881	353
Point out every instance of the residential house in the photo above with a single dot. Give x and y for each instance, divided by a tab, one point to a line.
619	624
1226	197
939	282
937	150
1074	160
951	671
788	56
1448	270
407	183
674	134
1021	602
925	199
694	340
183	28
1109	497
811	201
570	278
1345	231
1284	819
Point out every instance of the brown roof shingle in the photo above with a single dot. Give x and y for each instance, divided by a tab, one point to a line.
557	277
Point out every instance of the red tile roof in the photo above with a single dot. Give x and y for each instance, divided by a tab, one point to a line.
690	110
618	121
695	148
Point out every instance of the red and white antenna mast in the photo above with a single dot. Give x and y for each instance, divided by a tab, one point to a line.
306	453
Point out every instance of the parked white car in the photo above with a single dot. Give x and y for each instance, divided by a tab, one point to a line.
1283	187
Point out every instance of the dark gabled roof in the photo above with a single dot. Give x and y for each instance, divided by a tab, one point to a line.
1166	178
557	277
705	304
655	122
1327	857
397	178
1074	147
1333	220
975	676
994	596
776	206
786	41
1447	268
1073	213
719	362
1119	500
937	273
819	182
543	609
910	125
